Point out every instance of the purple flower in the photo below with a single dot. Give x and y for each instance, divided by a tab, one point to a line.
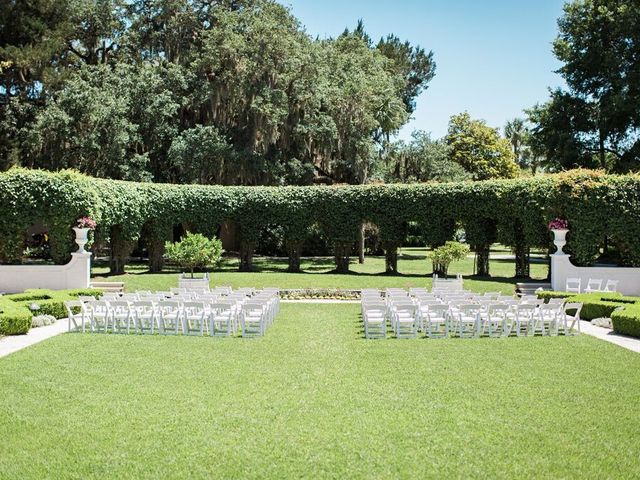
558	224
86	222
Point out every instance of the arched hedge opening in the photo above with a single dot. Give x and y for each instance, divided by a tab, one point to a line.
513	212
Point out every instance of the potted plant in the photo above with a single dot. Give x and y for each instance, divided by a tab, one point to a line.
443	256
559	227
83	225
194	251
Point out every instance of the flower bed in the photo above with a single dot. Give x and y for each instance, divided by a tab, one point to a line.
320	294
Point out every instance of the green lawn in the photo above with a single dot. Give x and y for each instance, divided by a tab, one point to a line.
413	265
314	399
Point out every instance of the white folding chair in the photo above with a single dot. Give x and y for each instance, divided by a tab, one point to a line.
220	320
497	321
120	317
144	316
170	317
77	315
194	318
251	319
573	285
406	321
436	321
467	318
374	319
525	319
100	314
547	318
569	318
611	286
594	285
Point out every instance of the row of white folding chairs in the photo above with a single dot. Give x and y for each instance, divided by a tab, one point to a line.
574	285
222	317
470	319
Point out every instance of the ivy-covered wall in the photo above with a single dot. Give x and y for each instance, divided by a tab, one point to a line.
514	212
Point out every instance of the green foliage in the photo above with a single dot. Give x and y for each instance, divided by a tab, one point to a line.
626	321
479	149
599	305
186	91
624	311
194	251
548	294
450	252
17	309
594	120
420	160
515	212
14	318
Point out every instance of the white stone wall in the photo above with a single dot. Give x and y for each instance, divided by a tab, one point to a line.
562	268
75	274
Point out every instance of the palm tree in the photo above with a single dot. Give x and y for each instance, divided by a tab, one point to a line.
516	131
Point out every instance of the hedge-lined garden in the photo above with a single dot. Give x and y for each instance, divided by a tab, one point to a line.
513	212
624	311
17	310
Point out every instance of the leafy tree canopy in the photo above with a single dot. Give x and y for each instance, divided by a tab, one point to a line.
231	92
479	149
595	121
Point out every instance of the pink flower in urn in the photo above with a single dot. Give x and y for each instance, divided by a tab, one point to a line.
558	224
86	222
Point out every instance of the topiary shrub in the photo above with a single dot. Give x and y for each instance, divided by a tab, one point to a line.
14	318
548	294
626	321
445	255
194	251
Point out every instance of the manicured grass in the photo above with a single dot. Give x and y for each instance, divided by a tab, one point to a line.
413	264
314	399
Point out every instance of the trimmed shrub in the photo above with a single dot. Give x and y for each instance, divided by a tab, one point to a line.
514	212
598	305
14	318
626	321
547	294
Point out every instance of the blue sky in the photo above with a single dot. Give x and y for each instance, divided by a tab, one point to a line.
493	57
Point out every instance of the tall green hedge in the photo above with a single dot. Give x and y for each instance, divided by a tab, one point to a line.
514	212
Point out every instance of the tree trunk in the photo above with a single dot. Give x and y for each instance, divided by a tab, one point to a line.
440	270
602	153
523	265
391	258
293	250
120	251
342	252
361	245
482	260
246	256
156	254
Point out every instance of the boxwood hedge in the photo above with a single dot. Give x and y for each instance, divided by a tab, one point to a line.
514	212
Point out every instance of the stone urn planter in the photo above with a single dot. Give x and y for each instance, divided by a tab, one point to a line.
82	237
559	239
